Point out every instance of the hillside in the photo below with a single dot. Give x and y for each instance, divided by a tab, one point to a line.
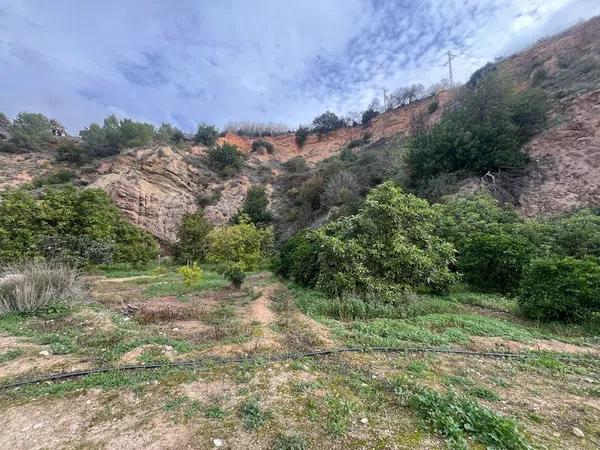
155	186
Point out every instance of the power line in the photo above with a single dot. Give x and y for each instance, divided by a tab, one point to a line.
448	63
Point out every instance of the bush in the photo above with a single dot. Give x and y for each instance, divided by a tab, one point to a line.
576	234
27	222
261	144
226	159
301	135
29	287
327	122
241	245
296	165
368	115
192	235
565	289
298	259
433	106
168	134
347	155
206	135
62	176
255	208
485	131
115	135
342	192
387	247
494	262
77	251
235	274
191	274
28	132
71	152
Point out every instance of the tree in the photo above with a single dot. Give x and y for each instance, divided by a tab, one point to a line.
256	207
226	159
367	116
301	135
29	132
192	235
168	134
327	122
239	246
206	135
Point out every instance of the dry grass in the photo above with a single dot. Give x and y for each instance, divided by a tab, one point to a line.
30	286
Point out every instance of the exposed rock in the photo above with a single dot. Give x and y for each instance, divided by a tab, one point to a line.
577	432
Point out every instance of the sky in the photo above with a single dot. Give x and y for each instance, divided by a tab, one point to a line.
221	61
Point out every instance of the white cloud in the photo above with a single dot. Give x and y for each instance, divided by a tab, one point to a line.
191	61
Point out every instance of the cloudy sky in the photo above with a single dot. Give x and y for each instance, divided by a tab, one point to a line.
263	60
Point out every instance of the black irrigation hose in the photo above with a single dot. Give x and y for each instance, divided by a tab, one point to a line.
281	357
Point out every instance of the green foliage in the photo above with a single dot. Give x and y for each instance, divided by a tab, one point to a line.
433	106
484	131
327	122
368	115
298	259
301	135
347	154
387	247
261	144
192	274
115	135
28	132
226	159
168	134
71	152
558	288
495	261
241	245
77	251
253	416
576	234
255	208
26	223
456	417
62	176
206	135
297	164
235	274
289	442
192	235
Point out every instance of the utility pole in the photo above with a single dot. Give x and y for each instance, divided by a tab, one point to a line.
384	100
451	56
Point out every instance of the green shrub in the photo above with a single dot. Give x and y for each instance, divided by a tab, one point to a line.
368	115
192	234
289	442
255	208
327	122
264	145
77	251
226	159
296	165
387	247
240	244
168	134
558	288
433	106
191	274
62	176
298	259
494	261
206	135
69	151
576	234
27	222
235	274
347	154
29	287
301	135
539	75
28	132
484	131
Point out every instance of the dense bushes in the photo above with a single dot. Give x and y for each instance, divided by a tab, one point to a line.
561	289
28	132
192	235
115	135
226	159
242	246
206	135
387	247
262	145
368	115
255	208
484	131
29	287
54	224
327	122
301	135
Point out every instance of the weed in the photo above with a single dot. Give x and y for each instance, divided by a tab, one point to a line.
338	414
456	417
253	416
215	411
548	362
483	393
10	355
289	442
417	368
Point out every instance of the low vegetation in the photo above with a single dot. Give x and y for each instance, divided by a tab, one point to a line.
226	159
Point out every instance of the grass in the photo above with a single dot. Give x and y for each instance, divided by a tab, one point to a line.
11	354
289	442
253	415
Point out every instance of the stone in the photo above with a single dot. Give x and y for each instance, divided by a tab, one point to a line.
218	442
364	421
44	353
577	432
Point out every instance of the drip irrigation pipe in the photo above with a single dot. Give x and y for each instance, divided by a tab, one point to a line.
216	360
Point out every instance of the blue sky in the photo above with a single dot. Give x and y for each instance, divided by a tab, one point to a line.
260	60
